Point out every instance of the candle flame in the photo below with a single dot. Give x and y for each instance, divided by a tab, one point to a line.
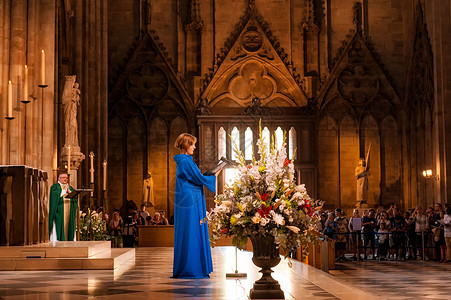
42	51
9	82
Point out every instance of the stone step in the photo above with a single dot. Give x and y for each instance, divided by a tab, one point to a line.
106	260
81	249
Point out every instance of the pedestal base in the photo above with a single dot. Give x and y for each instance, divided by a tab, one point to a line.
266	291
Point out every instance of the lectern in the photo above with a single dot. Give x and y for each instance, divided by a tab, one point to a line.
77	193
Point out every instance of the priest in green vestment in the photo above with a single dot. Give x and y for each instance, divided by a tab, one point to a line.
62	211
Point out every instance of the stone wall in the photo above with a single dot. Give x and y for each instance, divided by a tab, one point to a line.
27	27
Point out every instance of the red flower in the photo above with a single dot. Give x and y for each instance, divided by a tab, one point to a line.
264	196
308	209
225	230
286	162
264	211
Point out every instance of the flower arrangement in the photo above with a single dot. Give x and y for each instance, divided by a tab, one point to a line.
264	200
92	226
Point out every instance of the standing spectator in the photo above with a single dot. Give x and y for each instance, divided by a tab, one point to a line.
116	226
421	227
398	225
382	235
439	237
330	227
341	240
410	230
369	226
355	227
447	234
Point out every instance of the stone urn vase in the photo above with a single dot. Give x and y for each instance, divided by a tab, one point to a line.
266	256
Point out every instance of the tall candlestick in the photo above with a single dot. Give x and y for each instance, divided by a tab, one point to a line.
104	175
42	67
10	100
68	160
25	85
91	156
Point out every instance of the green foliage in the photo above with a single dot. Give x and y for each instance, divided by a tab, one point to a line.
92	227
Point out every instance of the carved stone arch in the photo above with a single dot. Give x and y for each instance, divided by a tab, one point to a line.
357	77
254	67
169	109
149	79
127	108
339	108
380	107
148	84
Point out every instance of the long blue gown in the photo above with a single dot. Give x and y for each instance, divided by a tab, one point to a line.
192	253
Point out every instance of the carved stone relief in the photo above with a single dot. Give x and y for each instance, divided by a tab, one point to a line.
358	84
252	81
147	84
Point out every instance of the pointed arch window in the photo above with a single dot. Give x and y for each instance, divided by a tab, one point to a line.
278	137
222	148
248	143
235	141
291	142
266	138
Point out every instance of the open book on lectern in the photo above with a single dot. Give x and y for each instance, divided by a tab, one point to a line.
77	192
222	163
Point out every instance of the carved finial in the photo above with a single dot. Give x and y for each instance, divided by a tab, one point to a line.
251	4
194	21
357	16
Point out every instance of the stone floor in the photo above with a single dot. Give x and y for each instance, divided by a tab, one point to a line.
149	278
398	279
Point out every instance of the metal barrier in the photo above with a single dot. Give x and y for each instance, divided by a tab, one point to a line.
403	239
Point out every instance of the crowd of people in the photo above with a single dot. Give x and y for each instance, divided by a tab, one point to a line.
124	232
390	234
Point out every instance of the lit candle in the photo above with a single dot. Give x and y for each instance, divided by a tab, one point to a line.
25	84
91	155
42	67
104	175
10	99
68	160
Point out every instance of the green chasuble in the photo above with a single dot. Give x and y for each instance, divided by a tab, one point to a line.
56	213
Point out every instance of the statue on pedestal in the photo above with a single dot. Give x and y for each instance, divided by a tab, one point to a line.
71	100
148	190
362	171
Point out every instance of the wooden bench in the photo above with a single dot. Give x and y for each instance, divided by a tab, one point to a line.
156	236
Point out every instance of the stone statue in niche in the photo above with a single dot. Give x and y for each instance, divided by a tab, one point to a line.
362	171
70	101
148	190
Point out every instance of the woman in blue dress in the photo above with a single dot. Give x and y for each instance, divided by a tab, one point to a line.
192	254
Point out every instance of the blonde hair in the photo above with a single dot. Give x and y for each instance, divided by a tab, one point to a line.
184	141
